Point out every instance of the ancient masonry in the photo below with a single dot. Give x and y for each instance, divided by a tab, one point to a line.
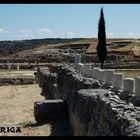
97	102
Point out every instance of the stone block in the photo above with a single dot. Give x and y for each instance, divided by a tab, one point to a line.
118	80
108	76
80	67
86	68
128	85
95	72
137	86
101	75
50	110
89	73
77	60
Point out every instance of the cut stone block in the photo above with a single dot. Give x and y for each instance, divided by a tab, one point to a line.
95	72
85	69
108	76
50	110
101	75
77	60
118	80
137	86
80	67
128	85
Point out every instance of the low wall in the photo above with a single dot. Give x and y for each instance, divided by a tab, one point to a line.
92	111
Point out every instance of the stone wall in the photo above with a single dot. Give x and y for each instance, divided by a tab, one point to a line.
69	82
99	112
93	110
47	81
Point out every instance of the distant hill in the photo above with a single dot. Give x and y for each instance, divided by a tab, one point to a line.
17	46
58	47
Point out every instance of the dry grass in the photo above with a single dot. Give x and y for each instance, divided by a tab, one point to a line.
134	48
16	109
129	73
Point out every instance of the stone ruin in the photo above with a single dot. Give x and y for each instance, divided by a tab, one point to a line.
96	104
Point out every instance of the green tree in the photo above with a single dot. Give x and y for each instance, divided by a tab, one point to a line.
101	46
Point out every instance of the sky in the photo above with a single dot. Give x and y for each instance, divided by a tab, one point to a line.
35	21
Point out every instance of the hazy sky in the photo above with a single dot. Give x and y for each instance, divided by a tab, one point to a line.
30	21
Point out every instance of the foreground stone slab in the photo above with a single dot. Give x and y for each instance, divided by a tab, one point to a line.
50	110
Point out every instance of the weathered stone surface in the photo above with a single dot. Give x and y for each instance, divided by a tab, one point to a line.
135	100
69	81
47	80
108	79
97	112
128	85
118	80
77	60
50	110
40	75
137	86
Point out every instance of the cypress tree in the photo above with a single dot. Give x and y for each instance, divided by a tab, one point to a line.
101	46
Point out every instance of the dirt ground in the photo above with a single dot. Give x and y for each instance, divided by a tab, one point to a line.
16	109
